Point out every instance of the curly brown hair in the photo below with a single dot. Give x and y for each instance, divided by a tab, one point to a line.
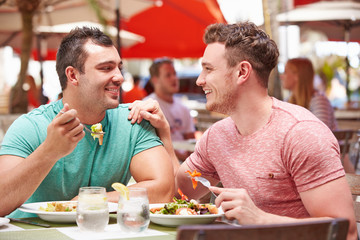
245	41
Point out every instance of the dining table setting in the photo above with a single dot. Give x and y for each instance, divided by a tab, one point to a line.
93	217
70	230
36	228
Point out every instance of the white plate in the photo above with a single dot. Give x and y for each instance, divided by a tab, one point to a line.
64	217
177	220
4	221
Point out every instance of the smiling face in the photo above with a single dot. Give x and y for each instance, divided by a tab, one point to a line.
218	80
99	85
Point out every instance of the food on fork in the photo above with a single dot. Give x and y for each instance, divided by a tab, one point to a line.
59	207
193	175
97	128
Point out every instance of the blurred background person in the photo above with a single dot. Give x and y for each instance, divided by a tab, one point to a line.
298	78
33	92
166	83
136	93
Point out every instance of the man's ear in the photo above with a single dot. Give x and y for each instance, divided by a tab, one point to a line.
72	75
244	70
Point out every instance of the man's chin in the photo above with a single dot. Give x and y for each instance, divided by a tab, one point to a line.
114	103
209	106
215	108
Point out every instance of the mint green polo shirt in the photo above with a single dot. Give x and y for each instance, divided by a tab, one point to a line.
89	164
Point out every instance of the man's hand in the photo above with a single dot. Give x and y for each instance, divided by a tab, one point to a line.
148	110
151	111
237	204
64	133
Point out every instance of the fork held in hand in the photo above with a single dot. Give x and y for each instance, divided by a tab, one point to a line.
88	130
96	133
204	182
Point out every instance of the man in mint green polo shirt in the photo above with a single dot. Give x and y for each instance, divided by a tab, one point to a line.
47	156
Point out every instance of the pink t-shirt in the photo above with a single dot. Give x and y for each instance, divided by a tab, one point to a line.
292	153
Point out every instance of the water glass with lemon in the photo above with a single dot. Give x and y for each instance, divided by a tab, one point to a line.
92	213
133	208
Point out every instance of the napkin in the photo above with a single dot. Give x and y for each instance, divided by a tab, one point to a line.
112	231
9	227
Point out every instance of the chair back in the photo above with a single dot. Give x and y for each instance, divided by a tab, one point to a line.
344	138
354	184
330	229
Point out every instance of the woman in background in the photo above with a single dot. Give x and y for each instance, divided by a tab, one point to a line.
299	79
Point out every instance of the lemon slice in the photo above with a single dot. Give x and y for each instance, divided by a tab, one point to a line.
122	189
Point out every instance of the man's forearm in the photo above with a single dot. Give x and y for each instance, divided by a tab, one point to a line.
19	182
164	135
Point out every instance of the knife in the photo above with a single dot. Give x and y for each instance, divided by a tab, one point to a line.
29	222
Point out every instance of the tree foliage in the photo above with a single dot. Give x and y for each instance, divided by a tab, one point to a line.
28	9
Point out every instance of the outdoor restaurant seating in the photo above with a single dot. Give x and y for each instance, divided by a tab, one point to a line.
344	137
354	184
347	138
335	229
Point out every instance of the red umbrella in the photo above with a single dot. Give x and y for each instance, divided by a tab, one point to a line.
55	13
174	29
303	2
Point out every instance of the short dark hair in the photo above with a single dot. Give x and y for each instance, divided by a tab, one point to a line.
155	66
245	41
72	53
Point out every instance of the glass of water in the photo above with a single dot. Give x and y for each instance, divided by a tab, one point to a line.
92	212
133	213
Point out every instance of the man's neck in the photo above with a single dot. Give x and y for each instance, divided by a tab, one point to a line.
87	115
252	115
165	97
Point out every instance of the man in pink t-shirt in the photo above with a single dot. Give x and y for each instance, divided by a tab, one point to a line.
277	162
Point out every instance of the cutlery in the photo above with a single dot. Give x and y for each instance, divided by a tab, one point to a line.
95	133
88	130
204	182
29	222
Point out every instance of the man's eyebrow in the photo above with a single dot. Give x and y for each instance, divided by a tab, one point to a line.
108	62
204	64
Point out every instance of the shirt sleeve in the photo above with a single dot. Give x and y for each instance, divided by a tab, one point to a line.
200	160
146	137
22	138
312	155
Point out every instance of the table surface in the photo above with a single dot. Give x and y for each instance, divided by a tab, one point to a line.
187	145
52	233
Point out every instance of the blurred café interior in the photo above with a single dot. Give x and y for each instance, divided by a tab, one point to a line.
326	32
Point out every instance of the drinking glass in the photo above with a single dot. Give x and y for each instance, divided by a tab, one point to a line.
133	213
92	212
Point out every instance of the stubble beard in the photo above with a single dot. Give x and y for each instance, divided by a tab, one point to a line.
224	104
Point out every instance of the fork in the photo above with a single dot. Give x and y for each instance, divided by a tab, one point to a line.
88	130
95	133
204	182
